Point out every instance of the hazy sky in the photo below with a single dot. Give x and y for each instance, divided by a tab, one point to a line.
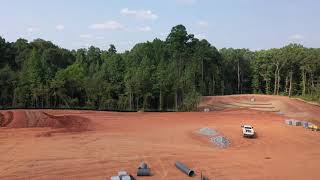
254	24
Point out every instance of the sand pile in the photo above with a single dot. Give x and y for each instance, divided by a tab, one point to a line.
31	119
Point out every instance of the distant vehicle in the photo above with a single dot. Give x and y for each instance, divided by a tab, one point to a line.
248	131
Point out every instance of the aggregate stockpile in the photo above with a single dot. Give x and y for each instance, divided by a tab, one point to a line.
33	119
215	137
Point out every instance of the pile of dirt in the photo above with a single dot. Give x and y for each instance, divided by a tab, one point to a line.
282	105
33	119
6	118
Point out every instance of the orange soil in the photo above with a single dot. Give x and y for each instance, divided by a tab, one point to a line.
120	141
292	108
35	118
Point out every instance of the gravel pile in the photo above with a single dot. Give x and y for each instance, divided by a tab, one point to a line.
220	141
208	132
215	137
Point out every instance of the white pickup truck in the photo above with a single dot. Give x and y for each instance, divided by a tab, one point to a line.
247	131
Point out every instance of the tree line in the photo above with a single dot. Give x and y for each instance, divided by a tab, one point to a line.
169	75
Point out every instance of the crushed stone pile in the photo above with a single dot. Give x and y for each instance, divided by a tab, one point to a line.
220	141
208	131
214	136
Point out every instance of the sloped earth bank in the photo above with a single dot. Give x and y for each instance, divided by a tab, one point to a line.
38	119
291	108
120	141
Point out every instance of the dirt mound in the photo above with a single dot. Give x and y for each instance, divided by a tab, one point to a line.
71	122
283	105
6	118
32	119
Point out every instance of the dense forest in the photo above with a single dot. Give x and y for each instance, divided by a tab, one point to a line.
168	75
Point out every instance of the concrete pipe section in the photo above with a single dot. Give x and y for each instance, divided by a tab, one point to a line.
185	169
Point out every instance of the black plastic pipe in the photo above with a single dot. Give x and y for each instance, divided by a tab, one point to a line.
144	172
184	169
143	166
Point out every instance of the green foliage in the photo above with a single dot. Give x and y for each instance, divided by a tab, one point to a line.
191	101
158	75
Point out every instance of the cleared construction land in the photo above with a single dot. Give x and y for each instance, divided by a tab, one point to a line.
65	144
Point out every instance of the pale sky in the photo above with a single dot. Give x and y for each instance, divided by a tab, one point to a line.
72	24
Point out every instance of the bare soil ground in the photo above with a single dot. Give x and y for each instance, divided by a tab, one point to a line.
115	141
292	108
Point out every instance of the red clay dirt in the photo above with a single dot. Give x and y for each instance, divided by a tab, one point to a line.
120	141
35	118
289	107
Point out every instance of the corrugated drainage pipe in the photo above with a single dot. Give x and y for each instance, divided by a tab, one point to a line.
184	169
